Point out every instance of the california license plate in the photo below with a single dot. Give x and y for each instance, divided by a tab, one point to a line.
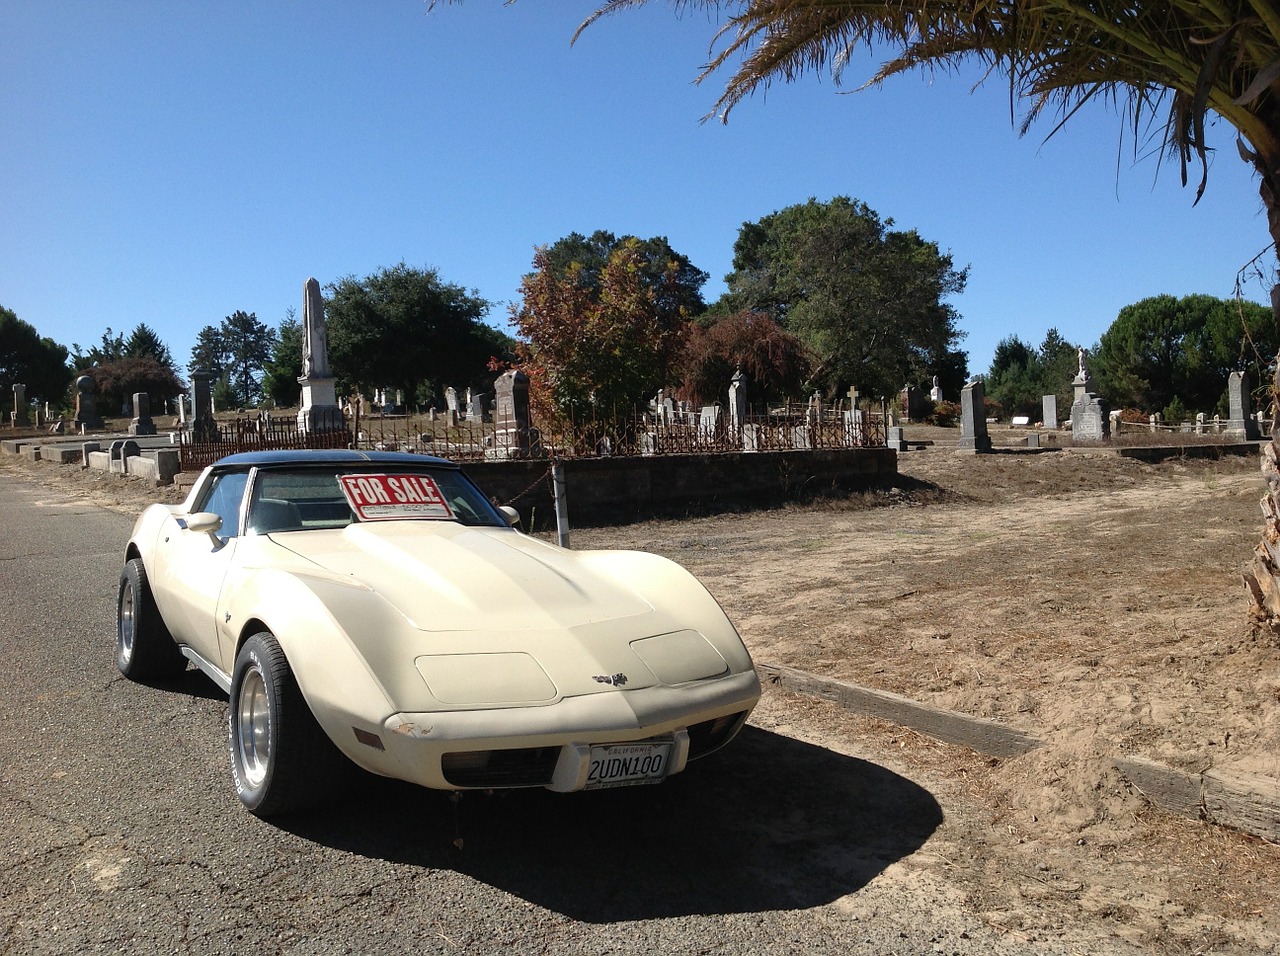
624	765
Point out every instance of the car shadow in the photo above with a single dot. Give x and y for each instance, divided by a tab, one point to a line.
191	683
770	823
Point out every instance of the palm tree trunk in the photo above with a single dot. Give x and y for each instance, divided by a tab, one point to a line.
1262	574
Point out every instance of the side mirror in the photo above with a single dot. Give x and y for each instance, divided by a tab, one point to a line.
510	513
206	522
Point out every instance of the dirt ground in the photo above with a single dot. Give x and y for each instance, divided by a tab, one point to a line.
1091	600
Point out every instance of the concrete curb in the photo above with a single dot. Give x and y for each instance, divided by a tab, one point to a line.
1247	803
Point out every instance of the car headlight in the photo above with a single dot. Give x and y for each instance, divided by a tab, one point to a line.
497	679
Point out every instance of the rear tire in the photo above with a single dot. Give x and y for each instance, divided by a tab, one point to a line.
144	648
281	761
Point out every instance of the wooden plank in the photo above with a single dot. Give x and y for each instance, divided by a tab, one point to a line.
1243	802
1174	790
976	733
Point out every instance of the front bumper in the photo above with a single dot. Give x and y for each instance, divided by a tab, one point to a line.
549	746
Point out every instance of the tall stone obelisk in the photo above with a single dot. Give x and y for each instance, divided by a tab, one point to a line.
319	411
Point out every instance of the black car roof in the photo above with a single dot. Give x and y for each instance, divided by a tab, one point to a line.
338	456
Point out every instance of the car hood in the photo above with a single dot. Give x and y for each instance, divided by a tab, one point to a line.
443	576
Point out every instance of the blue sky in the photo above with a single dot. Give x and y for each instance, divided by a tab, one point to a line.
170	163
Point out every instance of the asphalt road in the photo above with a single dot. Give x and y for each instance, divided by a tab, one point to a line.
121	831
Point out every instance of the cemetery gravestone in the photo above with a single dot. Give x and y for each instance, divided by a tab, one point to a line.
1090	415
737	400
203	426
512	413
142	423
1240	424
1049	411
973	420
319	411
21	417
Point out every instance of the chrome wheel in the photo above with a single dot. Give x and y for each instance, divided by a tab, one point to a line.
281	761
253	727
128	624
144	649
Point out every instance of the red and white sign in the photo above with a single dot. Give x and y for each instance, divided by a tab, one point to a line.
392	497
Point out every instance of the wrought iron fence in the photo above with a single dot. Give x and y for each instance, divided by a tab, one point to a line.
669	432
198	450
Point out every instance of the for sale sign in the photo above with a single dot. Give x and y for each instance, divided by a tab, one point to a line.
390	497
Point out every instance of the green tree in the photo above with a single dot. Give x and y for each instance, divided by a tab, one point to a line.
210	351
406	328
1162	348
111	349
594	349
1240	336
676	283
143	343
248	343
1020	375
1059	365
223	394
866	299
280	378
25	357
1015	378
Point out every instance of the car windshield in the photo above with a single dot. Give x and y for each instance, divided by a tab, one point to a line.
314	498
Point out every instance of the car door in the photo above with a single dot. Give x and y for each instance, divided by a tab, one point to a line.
192	567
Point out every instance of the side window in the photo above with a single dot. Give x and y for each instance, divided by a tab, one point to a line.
224	499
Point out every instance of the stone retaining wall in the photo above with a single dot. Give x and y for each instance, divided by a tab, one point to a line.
603	490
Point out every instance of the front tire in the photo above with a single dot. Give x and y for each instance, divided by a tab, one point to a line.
144	648
281	761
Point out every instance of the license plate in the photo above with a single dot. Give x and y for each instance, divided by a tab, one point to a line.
624	765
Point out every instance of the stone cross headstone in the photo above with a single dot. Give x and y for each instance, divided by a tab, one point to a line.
974	439
21	417
1240	424
142	423
319	411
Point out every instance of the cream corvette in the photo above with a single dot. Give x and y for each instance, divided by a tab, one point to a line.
375	608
